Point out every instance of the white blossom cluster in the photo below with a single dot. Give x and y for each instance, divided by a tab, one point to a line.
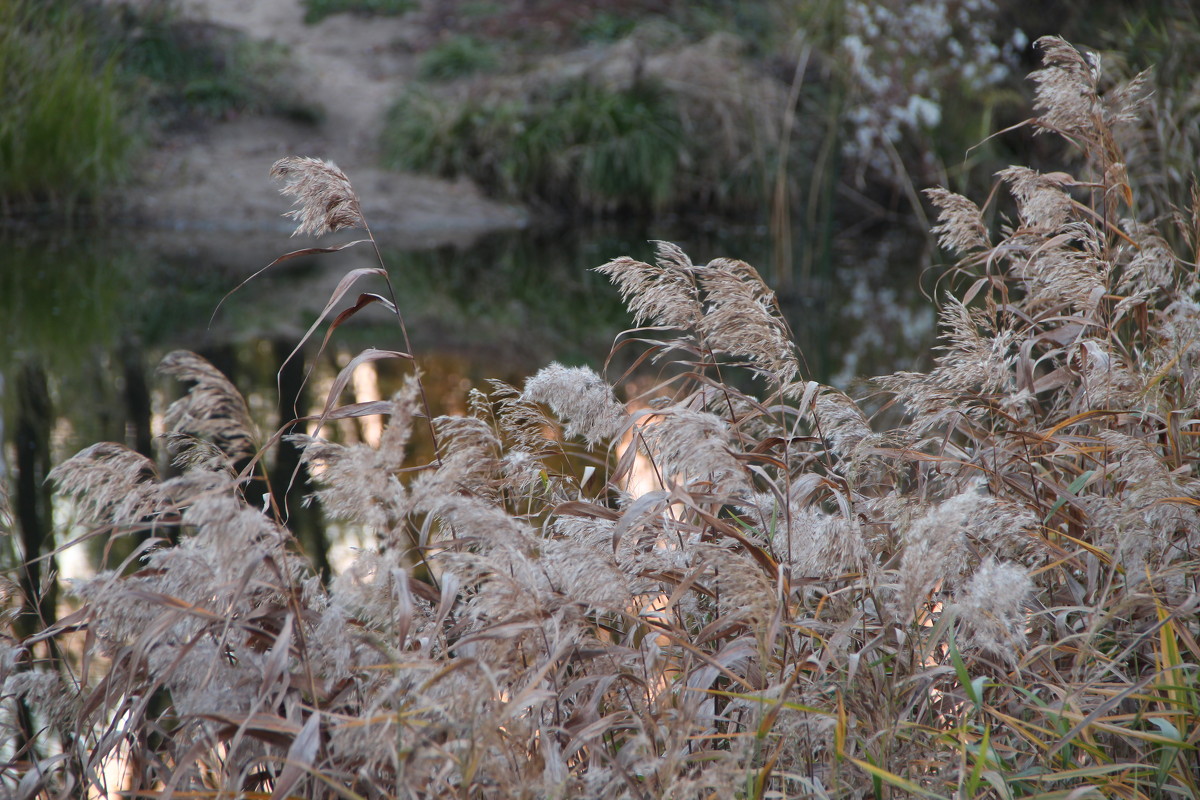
902	57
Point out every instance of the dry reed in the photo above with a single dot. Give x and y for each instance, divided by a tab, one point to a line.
995	598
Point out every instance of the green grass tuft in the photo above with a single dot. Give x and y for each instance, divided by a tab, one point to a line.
457	57
317	10
65	129
605	26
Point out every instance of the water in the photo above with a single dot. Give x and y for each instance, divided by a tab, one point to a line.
88	314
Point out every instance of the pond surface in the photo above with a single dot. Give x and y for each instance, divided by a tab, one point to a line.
87	315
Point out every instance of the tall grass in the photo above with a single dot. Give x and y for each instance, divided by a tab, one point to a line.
705	591
64	133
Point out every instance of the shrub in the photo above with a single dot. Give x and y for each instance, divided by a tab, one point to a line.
709	592
605	26
586	145
691	129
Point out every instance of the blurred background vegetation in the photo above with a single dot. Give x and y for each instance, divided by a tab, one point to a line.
88	87
623	106
816	108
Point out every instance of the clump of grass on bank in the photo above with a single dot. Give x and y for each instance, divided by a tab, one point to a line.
578	143
892	96
693	129
708	591
189	71
605	27
65	134
457	57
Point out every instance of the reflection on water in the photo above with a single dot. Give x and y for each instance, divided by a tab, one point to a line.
88	315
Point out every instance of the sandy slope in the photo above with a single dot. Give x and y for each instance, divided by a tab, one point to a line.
353	66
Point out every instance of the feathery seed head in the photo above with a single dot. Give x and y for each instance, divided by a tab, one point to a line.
960	225
325	200
1066	95
744	591
584	574
690	446
840	421
111	483
470	453
1107	379
811	542
581	399
1142	524
742	319
357	483
393	444
935	548
1041	199
213	409
661	295
1152	265
973	360
669	255
992	607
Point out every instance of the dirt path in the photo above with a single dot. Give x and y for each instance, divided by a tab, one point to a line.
216	179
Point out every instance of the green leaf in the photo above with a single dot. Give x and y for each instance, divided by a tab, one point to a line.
964	677
981	761
1169	730
1074	488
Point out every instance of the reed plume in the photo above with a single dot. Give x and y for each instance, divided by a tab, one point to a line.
325	201
212	409
581	399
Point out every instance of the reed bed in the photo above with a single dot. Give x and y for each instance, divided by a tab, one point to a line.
985	587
